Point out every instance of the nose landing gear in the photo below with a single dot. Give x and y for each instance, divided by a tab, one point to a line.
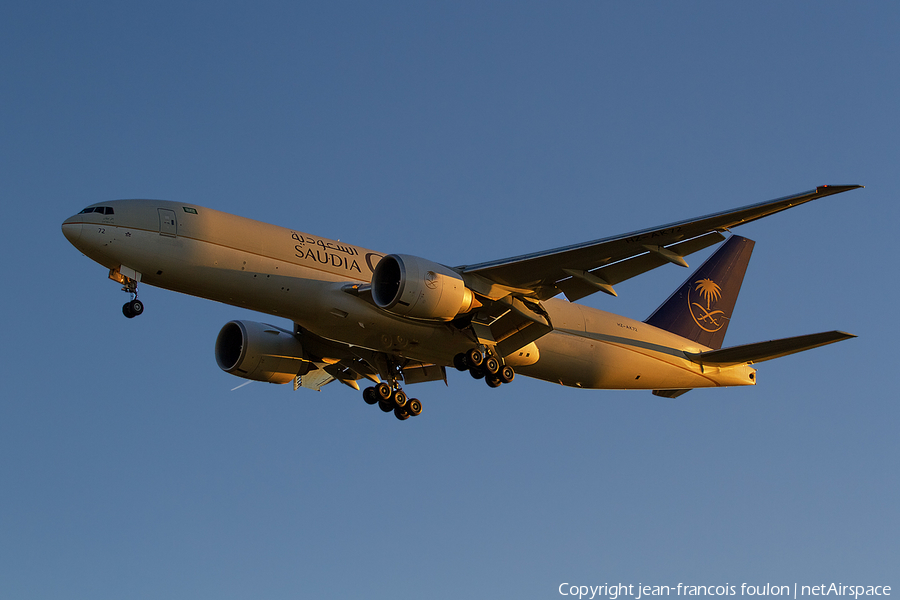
133	307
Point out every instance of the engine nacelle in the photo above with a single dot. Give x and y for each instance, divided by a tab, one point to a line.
414	287
260	352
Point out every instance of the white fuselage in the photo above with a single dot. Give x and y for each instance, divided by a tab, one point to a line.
291	274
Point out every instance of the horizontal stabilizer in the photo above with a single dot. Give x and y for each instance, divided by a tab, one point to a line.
761	351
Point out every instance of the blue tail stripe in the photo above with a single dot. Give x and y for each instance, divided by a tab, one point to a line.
700	309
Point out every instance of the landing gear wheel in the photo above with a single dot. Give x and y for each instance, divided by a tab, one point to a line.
507	374
385	406
493	381
460	362
401	414
414	407
399	399
474	357
491	365
370	396
476	372
133	308
383	391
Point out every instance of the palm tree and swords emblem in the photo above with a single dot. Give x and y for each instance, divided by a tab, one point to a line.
706	318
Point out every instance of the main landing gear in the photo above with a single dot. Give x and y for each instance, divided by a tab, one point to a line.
483	366
393	399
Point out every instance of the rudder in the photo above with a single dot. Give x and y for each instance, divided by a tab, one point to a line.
700	309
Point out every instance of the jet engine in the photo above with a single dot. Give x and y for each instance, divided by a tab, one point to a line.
414	287
260	352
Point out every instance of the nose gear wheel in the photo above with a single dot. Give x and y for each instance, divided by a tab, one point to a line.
132	308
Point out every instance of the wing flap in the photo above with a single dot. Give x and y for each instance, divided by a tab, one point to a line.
576	288
314	380
762	351
422	372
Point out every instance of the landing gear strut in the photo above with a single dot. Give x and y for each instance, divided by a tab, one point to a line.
133	307
129	282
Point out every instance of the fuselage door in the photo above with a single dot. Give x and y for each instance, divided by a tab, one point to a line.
167	224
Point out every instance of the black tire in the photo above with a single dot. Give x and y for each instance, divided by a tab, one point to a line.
370	396
459	361
137	307
476	372
383	391
491	365
126	310
507	374
401	415
493	381
385	406
414	407
400	399
474	357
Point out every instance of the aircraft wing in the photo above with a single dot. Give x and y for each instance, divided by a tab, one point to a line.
582	269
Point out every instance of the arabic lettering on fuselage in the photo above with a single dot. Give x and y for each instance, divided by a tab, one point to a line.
323	244
325	252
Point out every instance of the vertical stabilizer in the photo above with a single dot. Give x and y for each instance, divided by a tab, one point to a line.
701	308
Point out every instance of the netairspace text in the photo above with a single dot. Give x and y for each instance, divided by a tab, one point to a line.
795	591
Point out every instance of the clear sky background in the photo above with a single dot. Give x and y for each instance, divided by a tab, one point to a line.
460	132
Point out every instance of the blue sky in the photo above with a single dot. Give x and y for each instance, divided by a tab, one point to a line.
460	132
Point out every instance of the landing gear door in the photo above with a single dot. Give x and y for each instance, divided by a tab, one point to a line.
167	224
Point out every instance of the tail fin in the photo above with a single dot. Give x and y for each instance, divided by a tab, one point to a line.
701	308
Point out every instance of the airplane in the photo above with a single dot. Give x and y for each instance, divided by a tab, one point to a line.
398	319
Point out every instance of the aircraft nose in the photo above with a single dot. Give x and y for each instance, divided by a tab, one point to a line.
71	228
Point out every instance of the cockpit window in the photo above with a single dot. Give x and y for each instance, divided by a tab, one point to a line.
103	210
